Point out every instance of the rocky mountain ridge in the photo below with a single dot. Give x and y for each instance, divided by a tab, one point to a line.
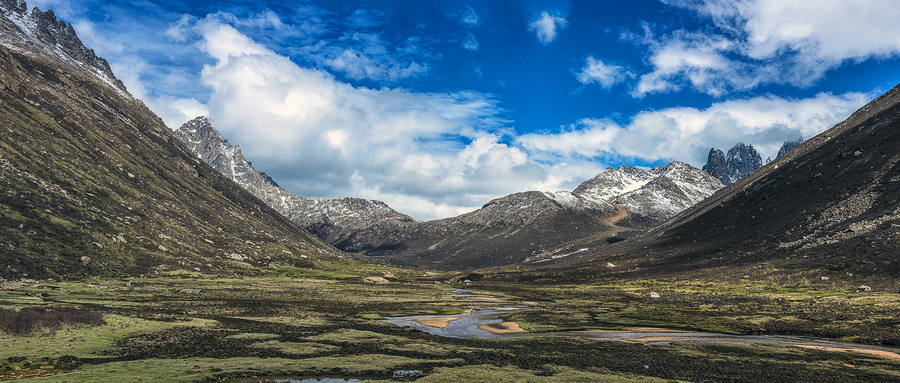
617	200
829	207
93	183
741	160
41	33
656	194
335	220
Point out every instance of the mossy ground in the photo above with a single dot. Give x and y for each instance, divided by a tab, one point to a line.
299	325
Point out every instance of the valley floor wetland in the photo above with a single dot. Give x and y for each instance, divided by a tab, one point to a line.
308	325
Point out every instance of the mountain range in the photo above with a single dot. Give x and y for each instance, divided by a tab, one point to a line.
616	201
741	160
829	207
93	183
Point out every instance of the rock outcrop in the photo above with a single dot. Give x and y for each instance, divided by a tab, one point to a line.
788	145
742	159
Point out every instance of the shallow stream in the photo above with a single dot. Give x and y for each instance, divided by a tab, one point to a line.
484	321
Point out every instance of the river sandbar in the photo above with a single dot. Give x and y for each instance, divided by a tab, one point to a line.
434	322
875	353
502	328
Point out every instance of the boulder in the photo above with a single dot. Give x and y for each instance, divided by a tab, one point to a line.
375	280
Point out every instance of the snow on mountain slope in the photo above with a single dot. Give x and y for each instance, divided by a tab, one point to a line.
658	194
41	34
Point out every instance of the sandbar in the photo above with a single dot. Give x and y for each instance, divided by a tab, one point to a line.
434	322
502	328
638	330
875	353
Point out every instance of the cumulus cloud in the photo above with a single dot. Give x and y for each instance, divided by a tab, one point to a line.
686	133
426	154
599	72
762	42
546	26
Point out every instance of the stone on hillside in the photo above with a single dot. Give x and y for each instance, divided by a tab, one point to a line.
610	265
12	285
863	289
375	280
654	295
190	291
85	260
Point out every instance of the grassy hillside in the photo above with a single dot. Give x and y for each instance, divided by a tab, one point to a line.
93	183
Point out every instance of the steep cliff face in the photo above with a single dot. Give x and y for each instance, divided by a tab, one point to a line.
93	183
351	224
715	164
788	145
742	159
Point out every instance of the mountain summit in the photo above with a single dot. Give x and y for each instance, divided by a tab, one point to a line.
656	194
41	34
342	222
740	161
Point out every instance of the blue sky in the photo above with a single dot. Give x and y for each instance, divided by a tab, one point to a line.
436	107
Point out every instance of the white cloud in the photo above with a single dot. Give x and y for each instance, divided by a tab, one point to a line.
761	42
469	18
427	154
470	43
435	155
546	27
829	30
686	133
597	71
364	18
367	56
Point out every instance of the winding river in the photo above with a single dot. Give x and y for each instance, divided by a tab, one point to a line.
482	321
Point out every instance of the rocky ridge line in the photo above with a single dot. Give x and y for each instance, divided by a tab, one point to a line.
335	220
41	33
